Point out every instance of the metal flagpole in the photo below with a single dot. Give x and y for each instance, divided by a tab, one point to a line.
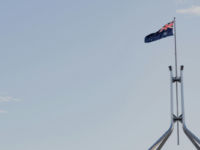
175	119
176	77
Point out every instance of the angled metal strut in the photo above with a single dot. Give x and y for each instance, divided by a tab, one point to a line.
161	141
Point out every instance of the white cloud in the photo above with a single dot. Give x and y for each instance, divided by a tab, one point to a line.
7	99
4	98
2	111
16	99
180	2
194	10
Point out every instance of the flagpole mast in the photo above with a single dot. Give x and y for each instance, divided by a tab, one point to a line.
176	82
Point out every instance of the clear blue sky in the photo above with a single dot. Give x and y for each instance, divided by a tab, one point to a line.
77	75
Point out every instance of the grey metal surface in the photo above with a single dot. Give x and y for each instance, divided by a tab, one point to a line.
164	140
165	136
176	77
190	135
161	141
193	142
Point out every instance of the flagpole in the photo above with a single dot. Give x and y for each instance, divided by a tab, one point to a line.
176	82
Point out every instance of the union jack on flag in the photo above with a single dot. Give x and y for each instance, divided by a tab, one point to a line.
164	32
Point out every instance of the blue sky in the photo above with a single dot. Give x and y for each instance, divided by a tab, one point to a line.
77	75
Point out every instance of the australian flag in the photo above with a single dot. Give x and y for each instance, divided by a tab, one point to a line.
165	31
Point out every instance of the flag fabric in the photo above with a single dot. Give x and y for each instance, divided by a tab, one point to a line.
164	32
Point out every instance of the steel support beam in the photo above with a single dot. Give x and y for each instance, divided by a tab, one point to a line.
189	134
162	140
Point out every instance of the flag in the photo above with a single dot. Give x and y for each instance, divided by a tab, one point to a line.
165	31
